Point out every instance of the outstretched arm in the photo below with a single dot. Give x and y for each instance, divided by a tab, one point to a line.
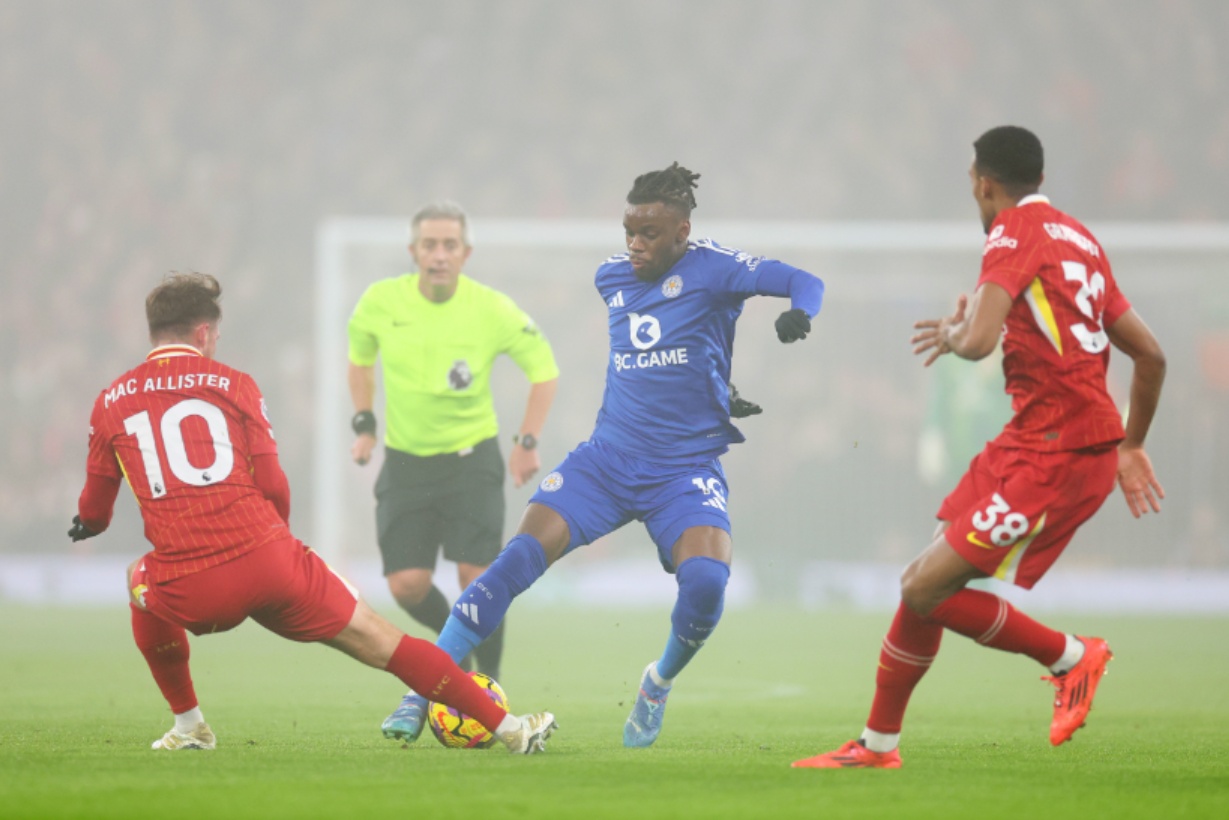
1139	484
805	292
971	332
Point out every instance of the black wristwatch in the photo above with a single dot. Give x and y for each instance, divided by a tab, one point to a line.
526	440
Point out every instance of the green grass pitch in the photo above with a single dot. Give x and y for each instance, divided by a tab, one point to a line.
298	726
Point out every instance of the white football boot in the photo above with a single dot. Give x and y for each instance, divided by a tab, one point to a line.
201	737
531	737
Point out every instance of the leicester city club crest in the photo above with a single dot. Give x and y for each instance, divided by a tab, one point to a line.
672	287
551	483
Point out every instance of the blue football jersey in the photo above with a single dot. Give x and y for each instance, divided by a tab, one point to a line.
671	341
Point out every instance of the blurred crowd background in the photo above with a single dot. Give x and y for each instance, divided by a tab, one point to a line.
144	136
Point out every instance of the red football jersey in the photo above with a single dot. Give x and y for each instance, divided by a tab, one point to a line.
182	429
1055	348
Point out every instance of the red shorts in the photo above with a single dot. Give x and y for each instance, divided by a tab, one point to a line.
283	586
1015	510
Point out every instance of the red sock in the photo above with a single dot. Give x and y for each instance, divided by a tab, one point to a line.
427	669
991	621
165	647
908	651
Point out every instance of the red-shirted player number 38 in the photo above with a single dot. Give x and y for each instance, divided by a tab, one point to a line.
174	448
1012	526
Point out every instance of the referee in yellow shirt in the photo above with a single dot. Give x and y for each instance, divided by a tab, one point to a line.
437	332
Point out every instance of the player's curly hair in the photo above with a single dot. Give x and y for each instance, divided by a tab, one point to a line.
1013	156
672	186
181	302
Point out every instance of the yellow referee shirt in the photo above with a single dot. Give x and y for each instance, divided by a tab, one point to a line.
436	359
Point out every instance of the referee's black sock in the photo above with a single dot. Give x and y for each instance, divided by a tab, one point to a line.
432	612
490	652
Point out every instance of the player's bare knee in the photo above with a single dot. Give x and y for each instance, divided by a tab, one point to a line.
915	593
908	576
548	528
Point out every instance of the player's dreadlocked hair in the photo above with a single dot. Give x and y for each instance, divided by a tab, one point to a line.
1013	156
180	302
672	187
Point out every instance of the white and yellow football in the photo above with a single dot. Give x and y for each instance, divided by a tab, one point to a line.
457	730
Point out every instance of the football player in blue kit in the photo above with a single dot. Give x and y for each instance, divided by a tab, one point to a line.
653	455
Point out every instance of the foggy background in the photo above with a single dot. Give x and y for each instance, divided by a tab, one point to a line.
143	137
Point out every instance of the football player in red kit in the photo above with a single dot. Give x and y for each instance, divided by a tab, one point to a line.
193	439
1047	289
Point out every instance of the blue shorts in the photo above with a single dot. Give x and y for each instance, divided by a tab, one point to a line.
598	489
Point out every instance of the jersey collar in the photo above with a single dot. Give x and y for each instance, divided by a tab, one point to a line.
167	351
1031	198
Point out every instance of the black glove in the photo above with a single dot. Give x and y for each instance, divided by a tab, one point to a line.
793	325
80	532
740	408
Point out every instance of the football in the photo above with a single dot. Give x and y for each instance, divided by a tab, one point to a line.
457	730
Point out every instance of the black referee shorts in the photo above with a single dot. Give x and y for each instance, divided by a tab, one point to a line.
452	501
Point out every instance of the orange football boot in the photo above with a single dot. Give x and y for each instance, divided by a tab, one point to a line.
1076	688
853	755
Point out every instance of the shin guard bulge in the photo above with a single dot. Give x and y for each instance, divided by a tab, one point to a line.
165	647
908	651
701	599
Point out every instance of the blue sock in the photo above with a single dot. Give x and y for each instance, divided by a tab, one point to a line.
457	639
484	603
696	612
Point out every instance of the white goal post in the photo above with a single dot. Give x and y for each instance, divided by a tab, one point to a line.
342	269
336	235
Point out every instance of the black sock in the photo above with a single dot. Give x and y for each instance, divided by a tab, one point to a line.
490	652
432	611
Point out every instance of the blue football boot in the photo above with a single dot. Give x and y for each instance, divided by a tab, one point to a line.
406	722
644	723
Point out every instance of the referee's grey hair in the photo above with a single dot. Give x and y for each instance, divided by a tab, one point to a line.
443	209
